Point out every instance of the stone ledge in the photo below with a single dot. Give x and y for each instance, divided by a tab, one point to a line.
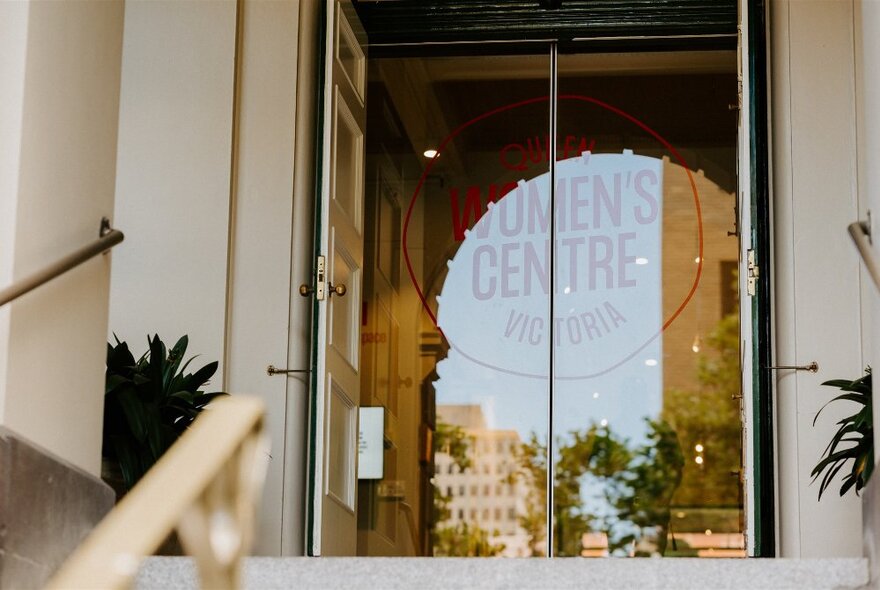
47	507
409	573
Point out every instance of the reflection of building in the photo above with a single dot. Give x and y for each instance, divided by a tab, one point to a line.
483	495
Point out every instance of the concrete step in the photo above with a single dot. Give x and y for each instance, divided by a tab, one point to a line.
411	573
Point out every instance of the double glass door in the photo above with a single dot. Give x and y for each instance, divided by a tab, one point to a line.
549	347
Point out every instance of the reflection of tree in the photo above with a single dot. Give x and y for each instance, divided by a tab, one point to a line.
637	483
710	417
530	459
453	441
463	539
596	452
651	478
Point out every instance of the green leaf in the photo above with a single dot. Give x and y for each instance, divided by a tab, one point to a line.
113	382
135	414
150	402
174	359
128	461
200	377
855	430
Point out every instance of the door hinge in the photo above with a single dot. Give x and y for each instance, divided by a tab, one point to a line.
754	273
737	106
739	71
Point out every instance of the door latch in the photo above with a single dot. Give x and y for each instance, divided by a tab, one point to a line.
754	273
320	281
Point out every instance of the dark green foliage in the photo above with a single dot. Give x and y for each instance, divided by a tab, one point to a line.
593	453
858	430
709	414
465	540
652	478
149	403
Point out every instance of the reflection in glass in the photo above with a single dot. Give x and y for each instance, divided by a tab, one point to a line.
457	331
648	445
441	361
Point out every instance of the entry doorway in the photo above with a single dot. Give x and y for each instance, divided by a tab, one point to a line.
548	342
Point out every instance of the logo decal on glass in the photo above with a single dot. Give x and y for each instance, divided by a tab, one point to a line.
608	228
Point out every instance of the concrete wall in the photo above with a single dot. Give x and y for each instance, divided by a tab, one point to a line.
817	276
59	63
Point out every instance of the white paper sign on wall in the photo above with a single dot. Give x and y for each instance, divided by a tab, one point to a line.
370	443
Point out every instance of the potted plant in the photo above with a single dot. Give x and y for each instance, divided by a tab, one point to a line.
148	404
856	431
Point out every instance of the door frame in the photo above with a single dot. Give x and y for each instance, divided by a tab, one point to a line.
313	430
647	32
760	234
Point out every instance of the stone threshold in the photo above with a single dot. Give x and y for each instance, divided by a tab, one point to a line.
415	573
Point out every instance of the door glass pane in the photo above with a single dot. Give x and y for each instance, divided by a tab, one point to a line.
643	418
646	420
455	304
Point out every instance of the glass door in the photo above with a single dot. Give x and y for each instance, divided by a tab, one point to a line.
646	391
549	339
456	301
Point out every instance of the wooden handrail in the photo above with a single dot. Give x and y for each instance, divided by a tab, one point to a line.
108	237
206	487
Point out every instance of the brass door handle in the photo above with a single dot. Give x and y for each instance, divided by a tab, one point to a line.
305	290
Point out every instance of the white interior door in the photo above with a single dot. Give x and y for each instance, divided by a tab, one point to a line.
338	374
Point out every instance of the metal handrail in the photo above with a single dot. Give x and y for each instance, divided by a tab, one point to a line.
206	486
860	231
109	237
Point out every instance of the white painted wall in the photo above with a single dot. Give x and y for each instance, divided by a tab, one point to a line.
173	177
13	47
59	66
867	23
868	93
817	276
261	310
302	264
214	172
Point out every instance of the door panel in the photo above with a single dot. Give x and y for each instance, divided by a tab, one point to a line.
338	342
345	310
341	428
347	165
